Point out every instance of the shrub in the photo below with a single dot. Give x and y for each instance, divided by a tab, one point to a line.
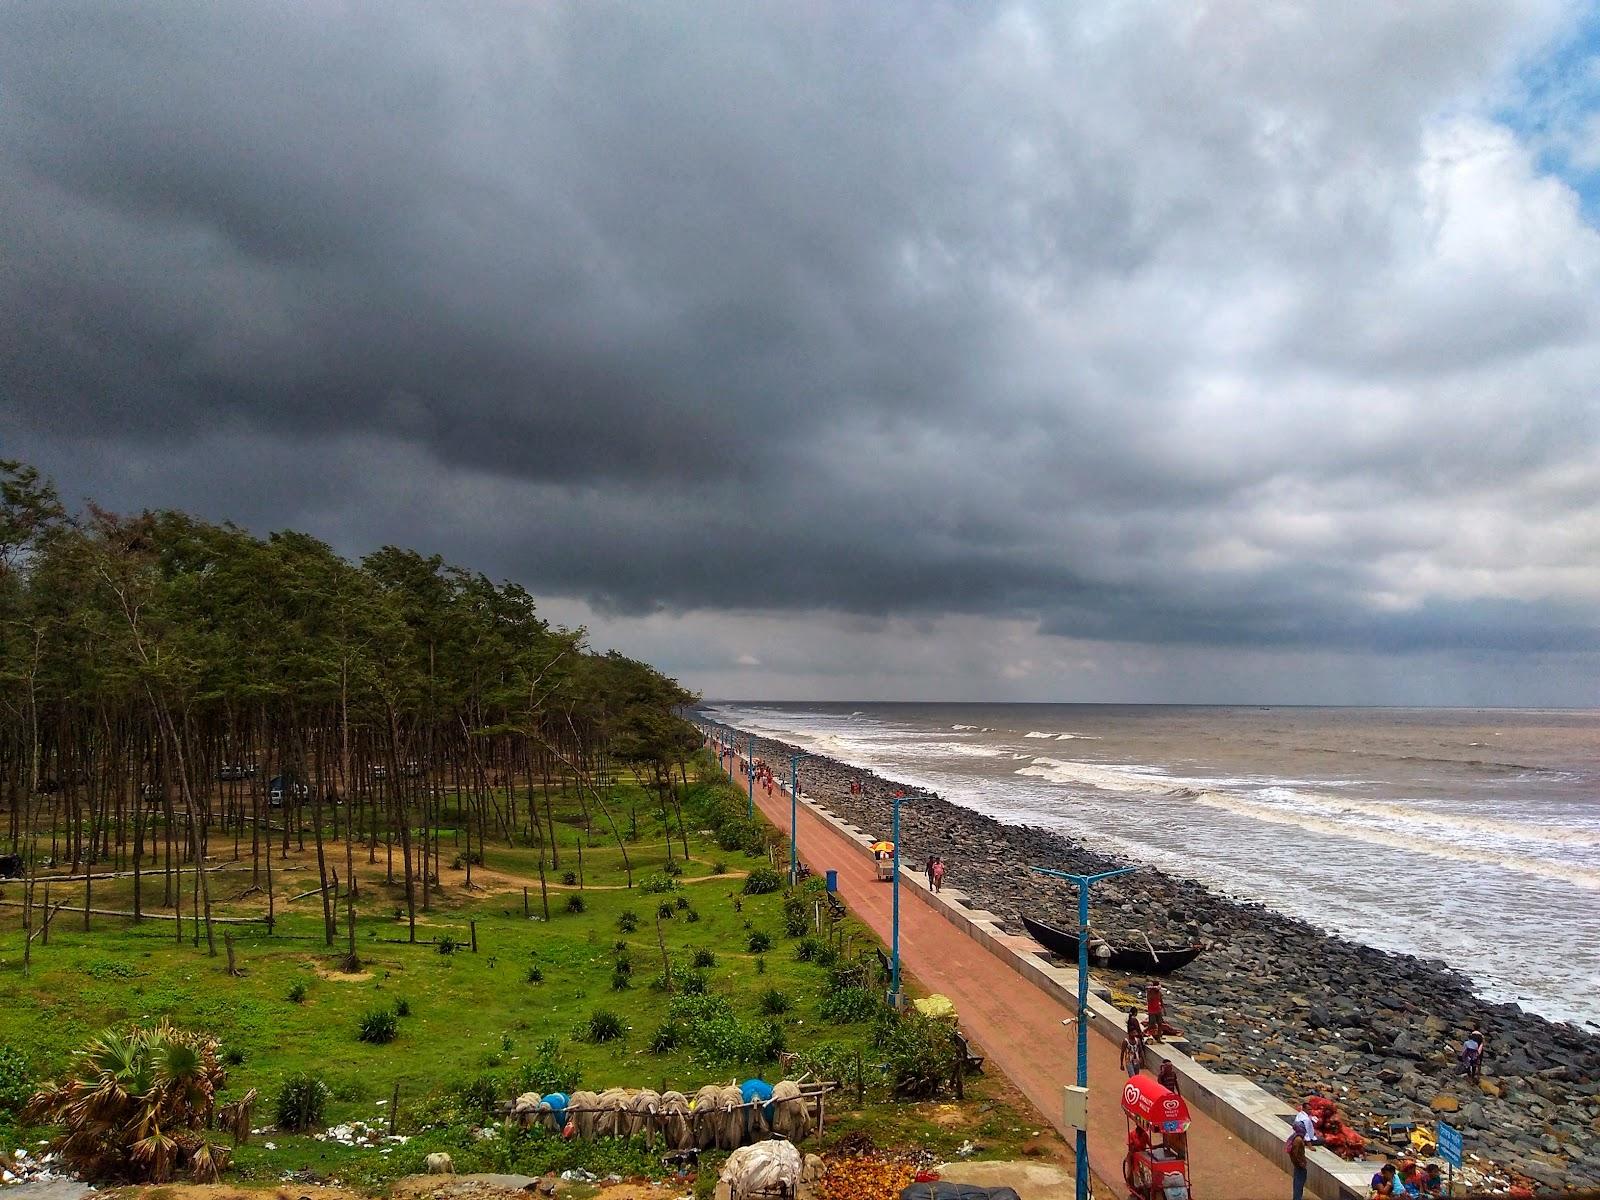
447	944
681	903
478	1097
846	1006
919	1056
402	1008
665	912
16	1080
761	881
620	980
620	948
760	942
704	958
761	965
160	1078
378	1027
807	949
719	867
666	1038
850	975
691	916
231	1057
575	904
672	868
300	1103
569	878
628	922
657	884
547	1071
775	1003
693	983
535	975
297	991
603	1025
796	921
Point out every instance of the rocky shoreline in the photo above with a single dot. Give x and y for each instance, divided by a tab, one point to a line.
1287	1005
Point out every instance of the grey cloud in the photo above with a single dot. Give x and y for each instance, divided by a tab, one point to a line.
1141	324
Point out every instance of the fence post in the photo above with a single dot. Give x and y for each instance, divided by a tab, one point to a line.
472	927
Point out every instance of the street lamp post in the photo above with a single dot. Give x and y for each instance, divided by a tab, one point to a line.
794	816
894	939
750	771
1081	1148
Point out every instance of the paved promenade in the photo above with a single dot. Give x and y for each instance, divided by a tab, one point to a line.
1014	1022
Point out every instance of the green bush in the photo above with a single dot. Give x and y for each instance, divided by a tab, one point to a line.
620	980
666	912
603	1025
16	1079
231	1057
378	1027
847	1005
535	975
761	881
691	916
666	1038
775	1003
447	944
575	904
704	959
808	948
719	867
402	1007
569	878
681	903
546	1071
918	1053
657	884
796	917
478	1097
760	942
301	1101
298	991
761	965
672	868
628	922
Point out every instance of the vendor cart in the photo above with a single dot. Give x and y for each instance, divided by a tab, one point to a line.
883	857
1157	1165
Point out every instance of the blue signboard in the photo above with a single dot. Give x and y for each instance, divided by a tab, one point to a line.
1450	1144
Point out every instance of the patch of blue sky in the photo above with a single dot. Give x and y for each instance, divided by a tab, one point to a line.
1555	107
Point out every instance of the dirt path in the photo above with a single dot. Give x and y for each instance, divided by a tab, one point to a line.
1017	1024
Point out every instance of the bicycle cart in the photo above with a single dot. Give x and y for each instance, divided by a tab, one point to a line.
1157	1165
883	856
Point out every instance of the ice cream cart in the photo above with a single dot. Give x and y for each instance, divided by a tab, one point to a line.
1157	1165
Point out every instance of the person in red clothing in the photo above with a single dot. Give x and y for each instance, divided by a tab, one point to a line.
1155	1011
937	874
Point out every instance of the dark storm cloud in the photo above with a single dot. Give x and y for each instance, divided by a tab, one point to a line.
1204	325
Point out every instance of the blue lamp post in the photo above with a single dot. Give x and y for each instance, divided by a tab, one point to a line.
750	771
1081	1148
894	939
794	816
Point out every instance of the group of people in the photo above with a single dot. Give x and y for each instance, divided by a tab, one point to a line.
1407	1179
935	870
1152	1029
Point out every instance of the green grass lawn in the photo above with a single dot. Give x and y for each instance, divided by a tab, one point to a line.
473	1017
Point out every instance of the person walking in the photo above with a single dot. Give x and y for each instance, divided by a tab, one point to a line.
1297	1163
1133	1044
927	869
1472	1055
938	873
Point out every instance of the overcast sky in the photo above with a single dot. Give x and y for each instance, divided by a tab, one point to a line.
1120	351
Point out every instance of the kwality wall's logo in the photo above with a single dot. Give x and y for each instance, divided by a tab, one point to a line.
1131	1095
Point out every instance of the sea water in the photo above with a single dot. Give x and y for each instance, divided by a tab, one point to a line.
1471	836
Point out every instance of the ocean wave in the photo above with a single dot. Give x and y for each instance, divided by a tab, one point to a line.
963	727
1037	734
1424	817
1149	780
1082	737
1308	817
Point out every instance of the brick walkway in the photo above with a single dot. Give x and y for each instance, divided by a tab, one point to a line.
1015	1023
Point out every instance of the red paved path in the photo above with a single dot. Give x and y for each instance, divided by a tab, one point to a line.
1017	1024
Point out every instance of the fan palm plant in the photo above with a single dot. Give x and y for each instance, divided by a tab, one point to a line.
136	1106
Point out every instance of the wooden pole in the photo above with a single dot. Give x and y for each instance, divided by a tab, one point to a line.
525	902
472	929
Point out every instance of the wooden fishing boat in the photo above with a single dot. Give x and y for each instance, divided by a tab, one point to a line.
1147	959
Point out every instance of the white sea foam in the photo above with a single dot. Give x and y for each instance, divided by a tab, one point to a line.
963	727
1037	734
1123	778
1080	737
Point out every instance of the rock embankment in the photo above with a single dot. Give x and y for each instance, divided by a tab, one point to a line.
1275	999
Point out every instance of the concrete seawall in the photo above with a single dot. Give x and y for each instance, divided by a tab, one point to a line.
1244	1109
